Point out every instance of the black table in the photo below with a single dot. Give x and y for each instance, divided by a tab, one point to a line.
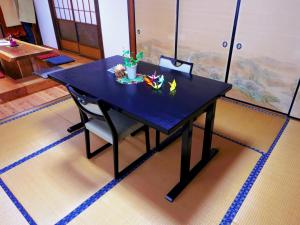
164	111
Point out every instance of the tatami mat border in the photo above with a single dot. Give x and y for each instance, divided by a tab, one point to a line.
30	111
229	216
102	191
15	201
232	140
42	150
114	182
255	108
241	196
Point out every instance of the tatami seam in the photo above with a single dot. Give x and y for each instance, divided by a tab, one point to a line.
242	194
38	152
13	118
255	108
234	141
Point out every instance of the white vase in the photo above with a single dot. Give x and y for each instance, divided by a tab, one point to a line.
131	72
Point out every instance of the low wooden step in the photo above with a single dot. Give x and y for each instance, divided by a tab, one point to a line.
11	89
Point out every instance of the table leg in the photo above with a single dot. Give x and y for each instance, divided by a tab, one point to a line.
187	175
25	67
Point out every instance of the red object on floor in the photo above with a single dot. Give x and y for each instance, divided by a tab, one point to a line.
1	75
48	55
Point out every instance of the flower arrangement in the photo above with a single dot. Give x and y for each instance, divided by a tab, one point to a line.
130	61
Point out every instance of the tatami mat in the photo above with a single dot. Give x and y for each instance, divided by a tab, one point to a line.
67	110
139	198
30	133
9	213
246	125
275	196
54	183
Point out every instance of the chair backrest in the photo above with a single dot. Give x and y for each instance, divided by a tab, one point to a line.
90	106
85	103
176	64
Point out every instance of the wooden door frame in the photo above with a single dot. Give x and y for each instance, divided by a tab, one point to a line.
132	26
99	29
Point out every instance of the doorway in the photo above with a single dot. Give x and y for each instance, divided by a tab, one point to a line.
78	27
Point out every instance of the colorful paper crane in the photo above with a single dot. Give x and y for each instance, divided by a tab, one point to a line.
153	77
172	85
155	81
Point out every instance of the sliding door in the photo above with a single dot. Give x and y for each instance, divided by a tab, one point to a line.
265	64
78	27
155	28
204	35
296	107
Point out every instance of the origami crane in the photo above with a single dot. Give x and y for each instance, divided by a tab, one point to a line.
155	81
157	86
153	76
172	85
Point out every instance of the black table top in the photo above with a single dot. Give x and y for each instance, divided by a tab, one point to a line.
158	109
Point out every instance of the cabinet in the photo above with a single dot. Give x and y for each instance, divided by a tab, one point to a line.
204	34
155	28
265	63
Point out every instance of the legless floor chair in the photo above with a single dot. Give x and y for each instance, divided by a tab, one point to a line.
178	65
106	123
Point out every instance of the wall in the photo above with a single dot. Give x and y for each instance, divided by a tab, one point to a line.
45	23
264	64
114	23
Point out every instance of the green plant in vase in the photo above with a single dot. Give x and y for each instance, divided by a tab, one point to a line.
131	63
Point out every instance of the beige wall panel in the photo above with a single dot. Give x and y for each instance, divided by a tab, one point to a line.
26	11
203	27
10	13
155	28
266	69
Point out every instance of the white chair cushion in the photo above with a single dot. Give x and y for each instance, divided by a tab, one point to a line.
124	126
186	68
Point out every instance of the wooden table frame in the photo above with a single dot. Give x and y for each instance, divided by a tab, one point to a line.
19	62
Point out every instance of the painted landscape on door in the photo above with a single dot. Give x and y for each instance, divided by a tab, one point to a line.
155	28
204	43
265	67
263	81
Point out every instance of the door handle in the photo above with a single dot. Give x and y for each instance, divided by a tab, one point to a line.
239	46
138	31
225	44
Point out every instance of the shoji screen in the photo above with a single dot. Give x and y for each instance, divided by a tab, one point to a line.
265	64
205	28
78	27
155	28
